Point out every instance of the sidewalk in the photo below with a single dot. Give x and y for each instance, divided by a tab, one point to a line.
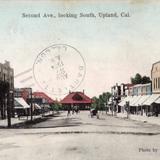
23	119
151	120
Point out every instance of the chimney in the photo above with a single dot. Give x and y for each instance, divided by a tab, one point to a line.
83	91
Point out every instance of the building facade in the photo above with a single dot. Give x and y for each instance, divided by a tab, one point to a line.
24	93
6	89
155	76
125	89
140	89
42	98
79	99
116	97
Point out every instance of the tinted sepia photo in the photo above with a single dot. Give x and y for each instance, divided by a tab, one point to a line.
79	80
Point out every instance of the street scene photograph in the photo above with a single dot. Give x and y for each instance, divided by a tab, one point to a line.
79	80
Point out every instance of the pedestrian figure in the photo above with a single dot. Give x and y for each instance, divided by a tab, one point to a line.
76	109
73	111
97	115
69	112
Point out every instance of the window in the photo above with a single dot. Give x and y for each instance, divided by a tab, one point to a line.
154	83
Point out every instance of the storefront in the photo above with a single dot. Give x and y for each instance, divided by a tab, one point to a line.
21	107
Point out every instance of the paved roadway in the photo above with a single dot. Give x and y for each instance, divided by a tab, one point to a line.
81	137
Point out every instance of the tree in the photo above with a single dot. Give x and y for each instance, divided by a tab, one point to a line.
138	79
56	107
145	80
95	102
99	103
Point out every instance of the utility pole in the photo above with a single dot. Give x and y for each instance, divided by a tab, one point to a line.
128	108
31	106
9	106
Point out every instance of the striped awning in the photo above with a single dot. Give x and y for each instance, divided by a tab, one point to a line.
141	100
152	99
37	106
134	100
157	101
123	102
20	103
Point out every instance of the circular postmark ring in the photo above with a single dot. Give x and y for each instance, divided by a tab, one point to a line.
59	68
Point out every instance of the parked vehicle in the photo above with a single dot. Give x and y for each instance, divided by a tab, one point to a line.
93	112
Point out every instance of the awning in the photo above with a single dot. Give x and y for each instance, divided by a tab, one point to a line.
37	106
157	101
151	99
20	103
123	102
134	100
141	100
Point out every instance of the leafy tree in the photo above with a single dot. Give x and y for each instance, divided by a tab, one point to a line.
99	103
138	79
56	107
145	80
106	96
95	102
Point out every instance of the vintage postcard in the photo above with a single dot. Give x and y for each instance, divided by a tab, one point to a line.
79	79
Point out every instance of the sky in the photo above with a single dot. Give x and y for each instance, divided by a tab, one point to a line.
114	49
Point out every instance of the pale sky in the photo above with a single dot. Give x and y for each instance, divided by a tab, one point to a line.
114	49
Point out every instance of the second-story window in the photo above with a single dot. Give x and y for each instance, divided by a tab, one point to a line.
154	83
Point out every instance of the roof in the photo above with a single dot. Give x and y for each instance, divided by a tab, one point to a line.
129	85
76	98
20	103
44	96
